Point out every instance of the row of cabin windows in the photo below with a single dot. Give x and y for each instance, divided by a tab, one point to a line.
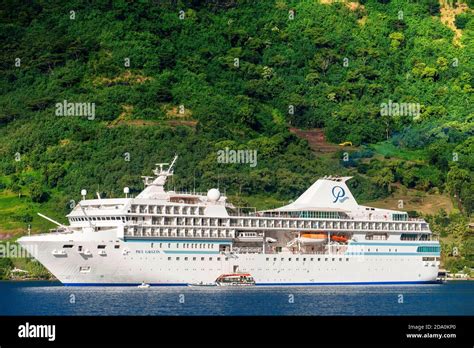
185	246
316	214
102	218
309	259
376	236
194	258
152	209
414	236
267	259
67	246
188	245
428	249
400	217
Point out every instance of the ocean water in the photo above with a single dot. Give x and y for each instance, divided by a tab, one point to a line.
51	298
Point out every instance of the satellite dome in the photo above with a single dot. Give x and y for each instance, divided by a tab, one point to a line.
213	195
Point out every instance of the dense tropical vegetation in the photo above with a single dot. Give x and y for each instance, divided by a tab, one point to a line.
194	77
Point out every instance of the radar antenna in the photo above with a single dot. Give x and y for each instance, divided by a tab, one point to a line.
162	171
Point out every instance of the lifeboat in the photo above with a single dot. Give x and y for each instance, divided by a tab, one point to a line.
314	235
341	239
313	238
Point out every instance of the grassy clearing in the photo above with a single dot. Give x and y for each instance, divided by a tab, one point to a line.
415	200
17	212
390	150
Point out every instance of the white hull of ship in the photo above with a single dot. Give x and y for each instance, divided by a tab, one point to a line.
143	262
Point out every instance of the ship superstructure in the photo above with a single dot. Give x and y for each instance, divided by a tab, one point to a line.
170	238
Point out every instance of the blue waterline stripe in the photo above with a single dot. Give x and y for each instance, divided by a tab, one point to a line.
354	283
265	284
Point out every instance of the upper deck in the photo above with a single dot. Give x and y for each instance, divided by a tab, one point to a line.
327	205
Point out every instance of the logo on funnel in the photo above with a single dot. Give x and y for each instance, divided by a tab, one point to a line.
339	194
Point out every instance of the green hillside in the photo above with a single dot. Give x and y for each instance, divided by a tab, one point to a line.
195	77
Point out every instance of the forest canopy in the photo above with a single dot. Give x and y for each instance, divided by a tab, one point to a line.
195	77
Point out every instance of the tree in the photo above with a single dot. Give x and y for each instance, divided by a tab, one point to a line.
54	173
384	178
462	20
5	266
37	193
457	178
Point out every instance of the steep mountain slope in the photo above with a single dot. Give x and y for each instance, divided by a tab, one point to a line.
196	77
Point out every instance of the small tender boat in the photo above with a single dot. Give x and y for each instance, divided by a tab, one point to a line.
143	285
442	277
235	279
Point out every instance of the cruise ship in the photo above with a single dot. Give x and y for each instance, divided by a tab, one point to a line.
168	238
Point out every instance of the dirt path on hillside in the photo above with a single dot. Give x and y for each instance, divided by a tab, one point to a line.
449	10
316	139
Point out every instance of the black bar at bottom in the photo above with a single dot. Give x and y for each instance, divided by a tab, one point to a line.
416	331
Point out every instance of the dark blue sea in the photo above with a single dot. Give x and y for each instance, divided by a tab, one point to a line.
51	298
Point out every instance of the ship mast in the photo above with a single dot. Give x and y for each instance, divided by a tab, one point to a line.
154	185
160	174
